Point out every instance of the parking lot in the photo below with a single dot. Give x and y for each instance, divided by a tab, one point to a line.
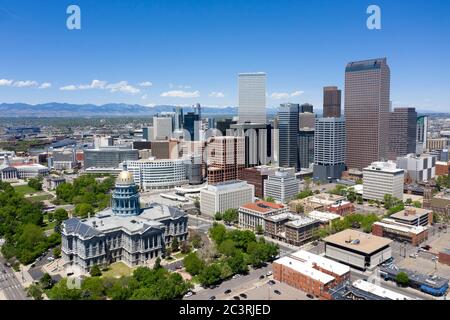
267	292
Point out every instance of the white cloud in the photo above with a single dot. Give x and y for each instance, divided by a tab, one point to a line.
297	93
279	95
181	94
45	85
144	97
179	86
5	82
123	86
215	94
150	105
25	84
145	84
69	88
285	95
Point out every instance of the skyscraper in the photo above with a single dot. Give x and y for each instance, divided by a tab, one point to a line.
252	97
422	131
367	101
191	123
306	148
402	132
329	149
306	107
331	102
288	135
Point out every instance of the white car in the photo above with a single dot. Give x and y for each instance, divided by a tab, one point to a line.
236	276
51	259
269	273
189	294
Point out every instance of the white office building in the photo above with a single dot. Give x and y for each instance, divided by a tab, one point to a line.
225	195
162	128
282	186
418	168
252	97
151	174
381	178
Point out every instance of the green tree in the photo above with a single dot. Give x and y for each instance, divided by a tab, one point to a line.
402	279
299	208
35	183
304	194
230	216
270	199
61	291
417	204
60	215
185	247
157	264
35	291
83	210
259	229
46	281
196	240
237	263
210	274
57	252
218	216
95	271
175	244
193	264
217	232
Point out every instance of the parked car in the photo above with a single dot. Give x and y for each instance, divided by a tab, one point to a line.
310	296
51	259
236	276
243	295
271	282
277	292
269	273
261	277
212	298
188	294
228	291
236	298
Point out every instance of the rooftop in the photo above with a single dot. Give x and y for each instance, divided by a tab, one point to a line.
358	241
324	263
323	216
392	224
378	291
410	213
300	221
305	269
263	206
389	167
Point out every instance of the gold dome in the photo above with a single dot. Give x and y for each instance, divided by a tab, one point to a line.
125	177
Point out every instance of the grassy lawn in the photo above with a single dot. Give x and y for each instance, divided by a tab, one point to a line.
23	190
49	225
117	269
179	255
39	198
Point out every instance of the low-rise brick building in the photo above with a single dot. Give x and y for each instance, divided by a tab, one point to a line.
310	273
391	229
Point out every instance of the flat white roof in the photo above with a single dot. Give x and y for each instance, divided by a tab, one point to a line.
323	216
392	224
379	291
325	263
305	269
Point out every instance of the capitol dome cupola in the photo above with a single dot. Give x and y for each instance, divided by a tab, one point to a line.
125	198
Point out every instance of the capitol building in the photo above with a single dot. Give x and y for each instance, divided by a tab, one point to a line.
125	232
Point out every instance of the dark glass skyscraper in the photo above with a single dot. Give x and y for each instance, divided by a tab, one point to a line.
402	132
191	124
288	135
306	148
331	102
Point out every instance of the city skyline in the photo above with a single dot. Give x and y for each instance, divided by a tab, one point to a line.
154	53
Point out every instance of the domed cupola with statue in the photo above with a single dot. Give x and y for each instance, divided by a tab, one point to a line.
125	198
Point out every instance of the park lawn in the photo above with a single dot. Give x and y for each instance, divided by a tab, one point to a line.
39	198
117	270
24	189
49	225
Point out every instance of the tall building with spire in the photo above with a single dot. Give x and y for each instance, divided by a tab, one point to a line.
367	106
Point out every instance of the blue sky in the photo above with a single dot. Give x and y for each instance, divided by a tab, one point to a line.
182	52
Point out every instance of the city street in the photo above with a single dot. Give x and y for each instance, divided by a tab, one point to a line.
9	284
237	286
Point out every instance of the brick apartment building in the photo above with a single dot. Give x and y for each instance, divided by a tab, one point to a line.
255	177
342	208
389	228
310	273
442	168
291	228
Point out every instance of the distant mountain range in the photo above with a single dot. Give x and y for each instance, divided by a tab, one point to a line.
66	110
90	110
